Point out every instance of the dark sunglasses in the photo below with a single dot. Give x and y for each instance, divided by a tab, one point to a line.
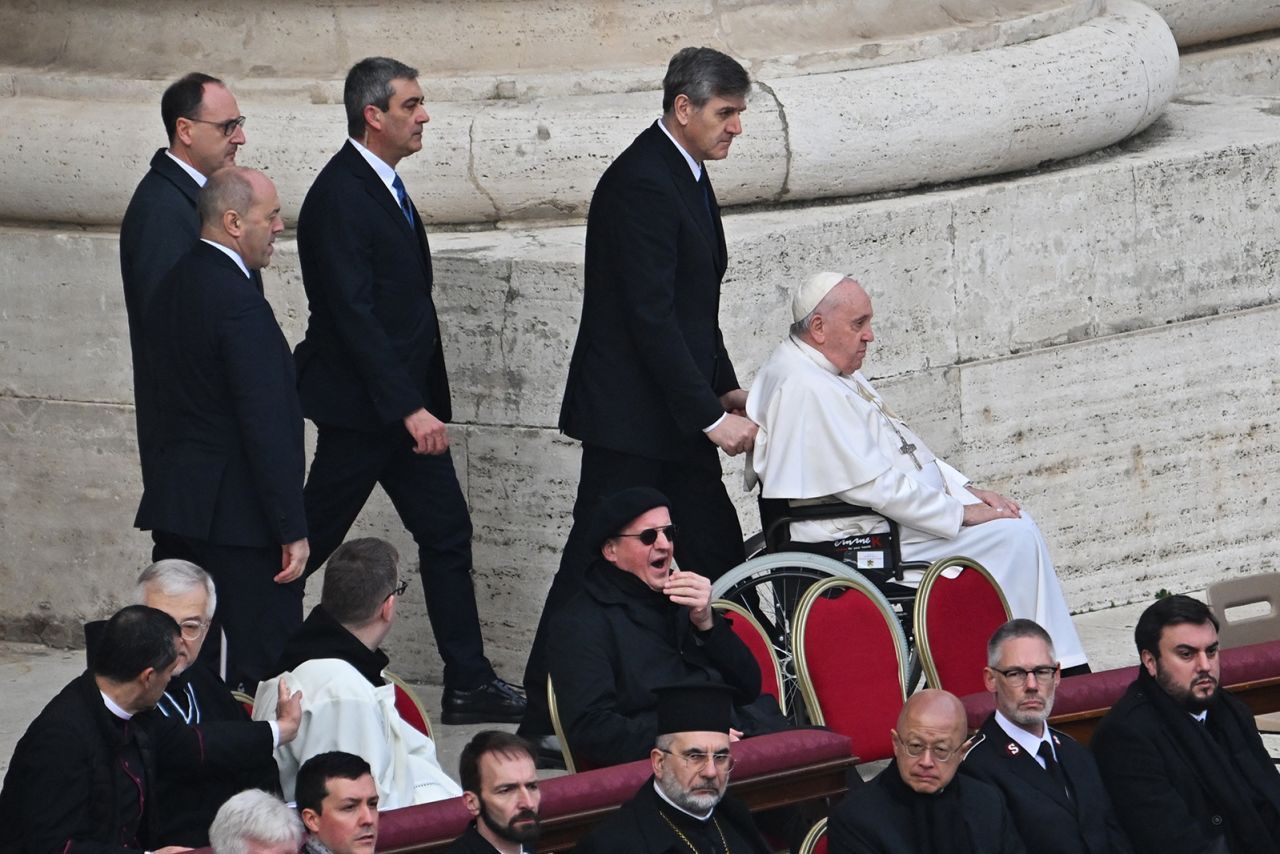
649	536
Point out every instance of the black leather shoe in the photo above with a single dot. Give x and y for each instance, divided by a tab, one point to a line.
496	701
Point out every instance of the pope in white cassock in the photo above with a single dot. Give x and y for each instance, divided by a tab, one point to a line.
825	433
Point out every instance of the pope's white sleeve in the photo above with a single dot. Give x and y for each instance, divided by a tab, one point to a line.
909	502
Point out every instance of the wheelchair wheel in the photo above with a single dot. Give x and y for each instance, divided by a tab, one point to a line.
769	587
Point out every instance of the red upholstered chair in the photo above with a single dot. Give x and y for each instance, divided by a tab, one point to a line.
245	700
954	619
851	661
749	630
815	841
409	706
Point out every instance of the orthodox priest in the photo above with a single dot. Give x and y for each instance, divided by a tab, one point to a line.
825	433
683	807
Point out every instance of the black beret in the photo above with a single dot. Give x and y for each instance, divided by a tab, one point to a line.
618	509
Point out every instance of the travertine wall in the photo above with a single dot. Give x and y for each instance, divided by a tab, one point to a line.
1097	337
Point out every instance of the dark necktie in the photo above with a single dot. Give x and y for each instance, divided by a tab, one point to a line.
1051	765
704	184
403	196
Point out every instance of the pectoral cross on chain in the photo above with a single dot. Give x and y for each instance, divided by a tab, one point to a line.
906	448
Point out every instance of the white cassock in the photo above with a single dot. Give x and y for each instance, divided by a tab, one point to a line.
828	436
341	710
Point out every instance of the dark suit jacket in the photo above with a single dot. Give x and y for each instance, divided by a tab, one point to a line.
159	227
1048	821
66	792
230	462
471	842
871	821
1164	801
372	351
637	828
649	364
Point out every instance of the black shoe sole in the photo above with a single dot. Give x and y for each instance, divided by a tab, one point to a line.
457	718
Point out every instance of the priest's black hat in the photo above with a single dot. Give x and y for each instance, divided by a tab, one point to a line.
618	509
694	707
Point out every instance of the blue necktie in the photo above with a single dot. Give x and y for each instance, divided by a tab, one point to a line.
404	199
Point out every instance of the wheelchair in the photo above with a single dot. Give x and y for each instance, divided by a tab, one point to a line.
777	573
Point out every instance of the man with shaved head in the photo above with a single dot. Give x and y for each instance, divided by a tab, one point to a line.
918	804
226	493
826	435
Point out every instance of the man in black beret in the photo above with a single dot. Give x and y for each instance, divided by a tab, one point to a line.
636	624
683	806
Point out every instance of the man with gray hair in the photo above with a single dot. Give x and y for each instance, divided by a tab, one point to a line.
1050	783
652	392
348	702
196	696
371	374
254	822
826	435
227	488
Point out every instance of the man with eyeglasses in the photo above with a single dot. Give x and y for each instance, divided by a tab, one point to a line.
636	624
1181	757
918	804
348	703
205	129
684	806
1050	782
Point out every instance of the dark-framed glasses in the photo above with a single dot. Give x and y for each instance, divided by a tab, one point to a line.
649	536
192	629
695	759
227	127
400	588
1018	675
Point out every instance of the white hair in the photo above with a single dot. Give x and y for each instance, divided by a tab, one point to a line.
254	816
175	577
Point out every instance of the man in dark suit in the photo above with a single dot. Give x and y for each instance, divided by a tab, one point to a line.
919	804
1181	757
1050	782
684	808
205	128
500	788
83	777
226	492
651	392
371	374
337	800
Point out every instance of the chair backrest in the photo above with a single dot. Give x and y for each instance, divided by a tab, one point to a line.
245	700
566	753
955	615
1251	590
408	705
815	841
751	633
851	662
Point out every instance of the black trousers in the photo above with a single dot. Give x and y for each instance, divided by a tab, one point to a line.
709	540
257	614
425	492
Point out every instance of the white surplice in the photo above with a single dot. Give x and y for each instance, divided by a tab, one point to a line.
828	436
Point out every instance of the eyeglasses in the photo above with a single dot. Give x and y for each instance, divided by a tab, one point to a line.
227	127
695	759
399	589
1018	675
649	536
192	629
915	749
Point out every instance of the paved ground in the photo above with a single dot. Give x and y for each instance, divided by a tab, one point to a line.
30	675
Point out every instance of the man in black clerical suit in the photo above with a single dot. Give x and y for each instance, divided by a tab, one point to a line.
205	128
1050	782
83	778
918	804
371	374
651	392
500	788
1181	757
226	492
683	808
